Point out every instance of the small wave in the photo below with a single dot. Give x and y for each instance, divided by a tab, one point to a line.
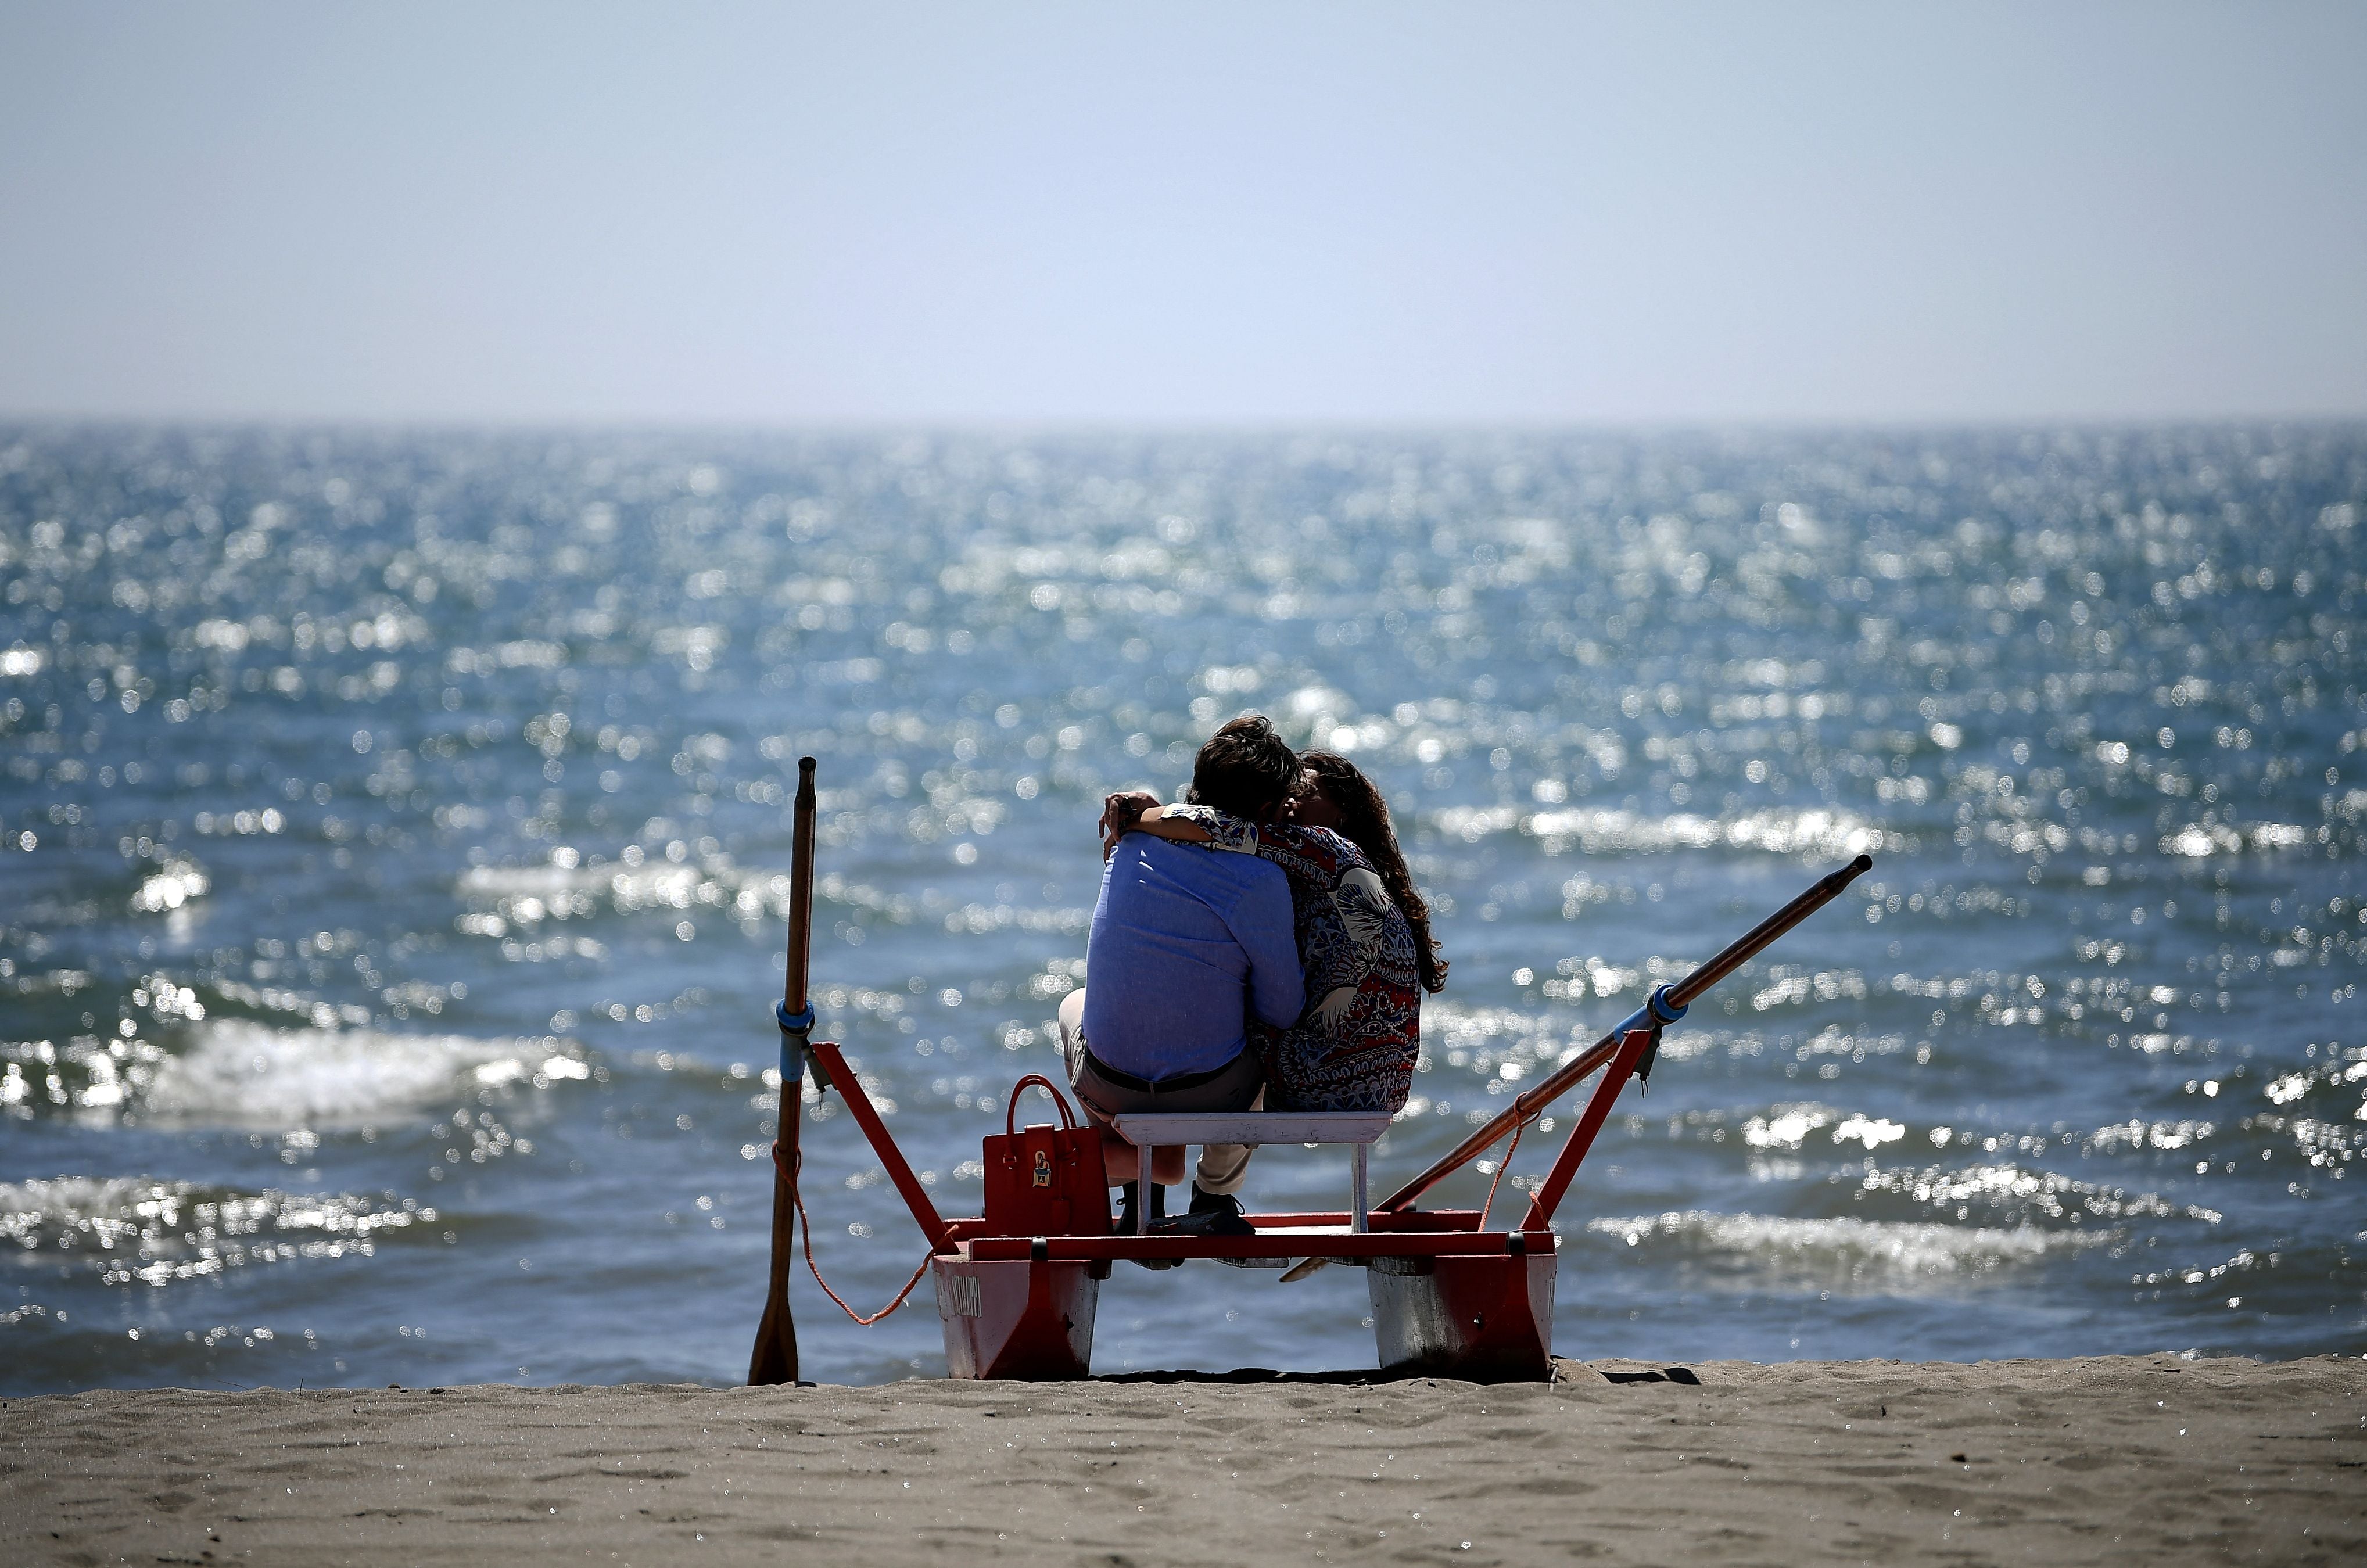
1761	1251
506	899
1497	1035
1612	831
978	919
551	879
1787	1126
178	881
2024	1193
2198	840
238	1071
156	1232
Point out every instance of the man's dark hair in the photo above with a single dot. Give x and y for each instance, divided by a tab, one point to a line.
1245	770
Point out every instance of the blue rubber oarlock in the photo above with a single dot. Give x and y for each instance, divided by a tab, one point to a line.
1663	1011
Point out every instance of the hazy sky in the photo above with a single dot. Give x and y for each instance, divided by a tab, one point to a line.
1204	213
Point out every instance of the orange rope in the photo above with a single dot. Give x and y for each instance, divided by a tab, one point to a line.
1518	1128
790	1176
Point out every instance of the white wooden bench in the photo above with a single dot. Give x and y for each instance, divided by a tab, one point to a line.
1148	1131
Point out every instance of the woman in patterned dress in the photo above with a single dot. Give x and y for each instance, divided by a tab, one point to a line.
1363	931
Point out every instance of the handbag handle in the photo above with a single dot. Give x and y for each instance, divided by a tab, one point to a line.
1011	1111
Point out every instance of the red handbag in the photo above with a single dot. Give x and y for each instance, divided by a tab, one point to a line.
1046	1181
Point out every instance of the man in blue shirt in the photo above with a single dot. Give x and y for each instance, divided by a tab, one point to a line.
1186	945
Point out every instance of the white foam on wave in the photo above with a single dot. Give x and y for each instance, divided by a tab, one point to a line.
1868	1256
241	1072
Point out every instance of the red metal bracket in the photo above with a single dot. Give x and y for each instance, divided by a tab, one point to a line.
1632	1049
867	1116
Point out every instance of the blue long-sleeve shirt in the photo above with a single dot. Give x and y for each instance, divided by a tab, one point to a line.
1185	942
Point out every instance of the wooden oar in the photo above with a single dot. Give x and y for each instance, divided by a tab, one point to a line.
775	1356
1735	954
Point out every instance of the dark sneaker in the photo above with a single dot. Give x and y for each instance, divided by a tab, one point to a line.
1215	1202
1215	1215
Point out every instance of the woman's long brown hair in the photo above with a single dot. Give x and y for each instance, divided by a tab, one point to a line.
1364	822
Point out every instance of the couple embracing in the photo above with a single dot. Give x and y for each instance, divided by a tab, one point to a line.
1260	946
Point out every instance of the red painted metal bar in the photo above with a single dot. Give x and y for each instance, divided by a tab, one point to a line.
1582	1137
1265	1244
867	1116
1524	1108
1406	1222
1571	1072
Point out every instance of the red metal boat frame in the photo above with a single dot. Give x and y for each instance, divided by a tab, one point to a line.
1448	1296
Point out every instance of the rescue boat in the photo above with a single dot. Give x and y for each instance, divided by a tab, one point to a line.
1452	1295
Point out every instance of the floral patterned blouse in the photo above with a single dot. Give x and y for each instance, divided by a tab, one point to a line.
1353	1046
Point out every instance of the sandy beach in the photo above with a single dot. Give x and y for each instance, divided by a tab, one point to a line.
2122	1460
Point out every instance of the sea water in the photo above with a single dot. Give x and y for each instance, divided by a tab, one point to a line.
396	829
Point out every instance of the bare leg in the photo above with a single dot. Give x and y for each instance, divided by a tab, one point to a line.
1122	1162
1118	1157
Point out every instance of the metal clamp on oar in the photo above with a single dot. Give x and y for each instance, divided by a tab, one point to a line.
1664	1011
797	1036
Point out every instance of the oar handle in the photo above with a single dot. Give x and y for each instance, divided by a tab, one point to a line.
794	998
1746	947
